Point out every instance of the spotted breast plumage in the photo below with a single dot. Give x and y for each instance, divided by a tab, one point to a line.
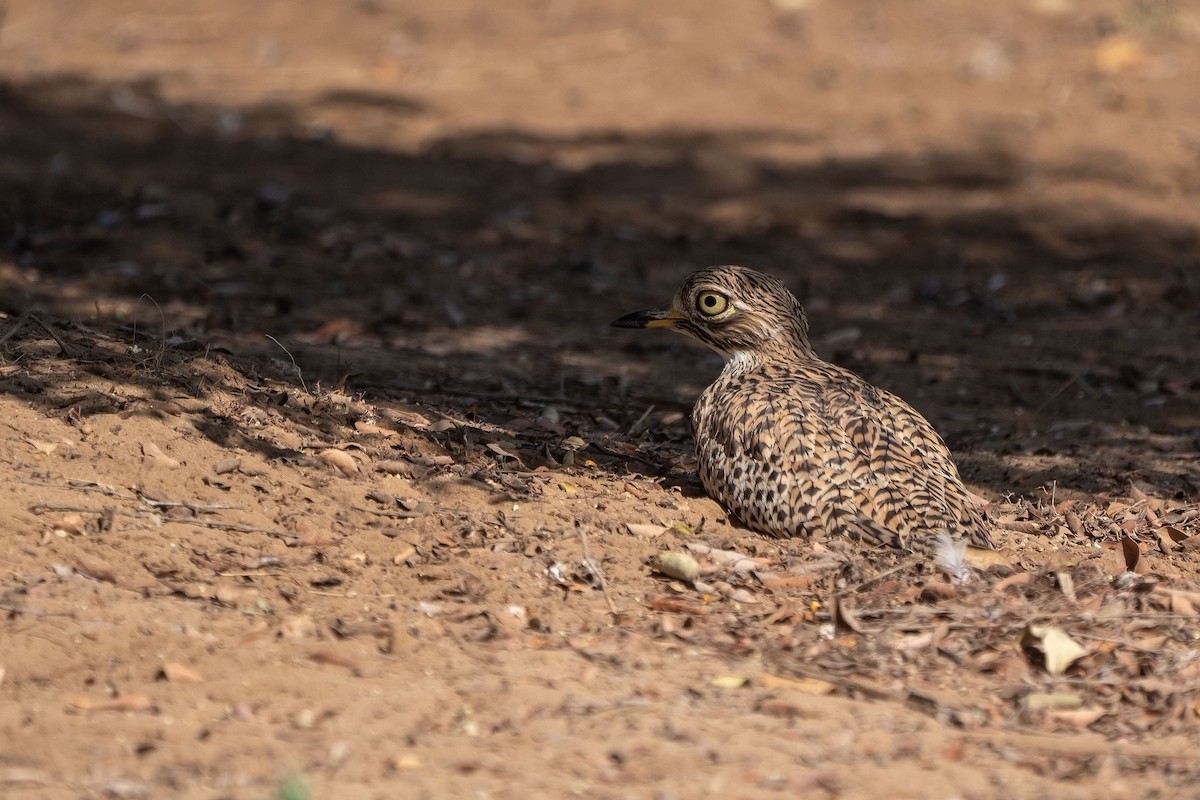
795	446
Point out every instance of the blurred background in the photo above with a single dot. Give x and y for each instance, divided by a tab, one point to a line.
990	208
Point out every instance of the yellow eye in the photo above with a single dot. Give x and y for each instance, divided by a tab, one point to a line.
711	303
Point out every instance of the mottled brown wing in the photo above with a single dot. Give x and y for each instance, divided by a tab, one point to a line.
911	484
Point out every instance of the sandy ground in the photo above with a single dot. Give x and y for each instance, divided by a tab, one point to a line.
323	475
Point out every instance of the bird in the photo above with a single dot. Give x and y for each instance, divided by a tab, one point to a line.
795	446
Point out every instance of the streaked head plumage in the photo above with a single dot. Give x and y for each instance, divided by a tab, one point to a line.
737	311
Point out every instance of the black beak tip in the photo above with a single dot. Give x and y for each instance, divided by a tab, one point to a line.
637	319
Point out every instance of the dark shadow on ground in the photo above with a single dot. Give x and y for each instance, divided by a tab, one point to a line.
477	276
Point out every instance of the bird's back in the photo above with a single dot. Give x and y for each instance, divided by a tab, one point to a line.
812	449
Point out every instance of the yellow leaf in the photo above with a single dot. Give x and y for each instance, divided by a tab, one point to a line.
729	681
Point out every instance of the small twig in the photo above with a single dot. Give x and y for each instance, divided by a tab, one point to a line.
38	508
638	424
236	527
594	568
186	504
162	342
249	574
299	372
392	514
20	323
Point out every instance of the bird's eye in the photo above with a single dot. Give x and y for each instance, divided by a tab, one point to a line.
711	303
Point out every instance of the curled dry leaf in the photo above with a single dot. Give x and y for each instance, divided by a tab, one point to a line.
45	448
341	460
16	776
313	540
410	418
729	681
1052	701
70	525
740	595
675	605
1058	649
500	451
226	466
374	430
96	570
235	596
300	626
395	467
1078	718
174	672
1133	556
843	615
677	565
1020	525
405	761
335	660
1017	579
644	530
803	685
154	458
125	702
981	559
433	461
1179	601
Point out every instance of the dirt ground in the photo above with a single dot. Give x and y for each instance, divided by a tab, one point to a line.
325	477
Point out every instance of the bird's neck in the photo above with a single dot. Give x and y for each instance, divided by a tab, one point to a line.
782	350
742	361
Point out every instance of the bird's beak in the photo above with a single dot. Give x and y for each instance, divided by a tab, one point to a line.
664	317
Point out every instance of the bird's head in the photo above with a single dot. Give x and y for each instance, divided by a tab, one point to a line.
741	313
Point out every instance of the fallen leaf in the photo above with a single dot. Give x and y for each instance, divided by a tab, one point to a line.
375	430
1133	555
300	626
677	565
843	615
645	530
226	466
1058	649
125	702
1118	54
410	418
729	681
1079	717
45	448
154	458
1052	701
771	581
175	672
405	761
675	605
334	659
500	451
804	685
70	525
14	776
1018	579
343	461
395	467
